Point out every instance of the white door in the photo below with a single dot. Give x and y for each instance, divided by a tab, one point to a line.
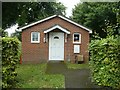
56	46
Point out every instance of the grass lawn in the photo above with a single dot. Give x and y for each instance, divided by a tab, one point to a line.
77	66
33	76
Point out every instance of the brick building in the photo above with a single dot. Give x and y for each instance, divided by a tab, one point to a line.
54	38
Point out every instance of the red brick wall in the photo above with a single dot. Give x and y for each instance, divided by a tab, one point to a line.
38	52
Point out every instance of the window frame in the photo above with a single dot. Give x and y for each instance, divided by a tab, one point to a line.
38	41
79	42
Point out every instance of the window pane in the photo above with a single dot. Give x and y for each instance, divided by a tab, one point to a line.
56	37
35	36
76	37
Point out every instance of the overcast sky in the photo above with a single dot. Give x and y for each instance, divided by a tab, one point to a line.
67	3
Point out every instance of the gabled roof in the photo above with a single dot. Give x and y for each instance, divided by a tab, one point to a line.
64	18
57	27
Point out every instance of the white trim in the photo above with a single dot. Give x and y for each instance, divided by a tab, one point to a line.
79	38
64	18
90	31
38	38
57	26
37	22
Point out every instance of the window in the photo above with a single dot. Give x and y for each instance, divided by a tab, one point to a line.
76	38
35	37
56	37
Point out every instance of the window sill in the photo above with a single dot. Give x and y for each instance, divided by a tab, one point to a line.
35	42
76	43
76	52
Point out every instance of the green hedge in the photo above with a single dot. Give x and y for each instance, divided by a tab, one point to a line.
10	58
105	62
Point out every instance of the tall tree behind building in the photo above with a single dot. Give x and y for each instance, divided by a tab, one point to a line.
27	12
96	16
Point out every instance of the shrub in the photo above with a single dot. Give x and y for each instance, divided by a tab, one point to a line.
105	62
10	58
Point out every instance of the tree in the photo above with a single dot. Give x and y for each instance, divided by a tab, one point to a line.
96	16
27	12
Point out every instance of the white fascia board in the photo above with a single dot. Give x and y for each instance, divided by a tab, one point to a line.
59	27
36	22
90	31
64	18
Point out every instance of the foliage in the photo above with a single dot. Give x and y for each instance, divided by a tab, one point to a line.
33	76
0	61
27	12
10	57
17	34
104	62
3	33
77	66
96	16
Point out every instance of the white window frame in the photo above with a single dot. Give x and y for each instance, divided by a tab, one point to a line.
79	38
38	37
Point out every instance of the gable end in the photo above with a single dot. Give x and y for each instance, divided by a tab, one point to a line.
64	18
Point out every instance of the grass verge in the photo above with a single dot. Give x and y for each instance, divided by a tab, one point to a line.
77	66
33	76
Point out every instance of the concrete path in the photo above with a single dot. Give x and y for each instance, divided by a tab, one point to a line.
73	78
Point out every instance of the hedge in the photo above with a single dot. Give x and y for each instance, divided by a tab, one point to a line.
10	58
105	62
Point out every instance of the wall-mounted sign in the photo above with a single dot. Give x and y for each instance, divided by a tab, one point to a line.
76	48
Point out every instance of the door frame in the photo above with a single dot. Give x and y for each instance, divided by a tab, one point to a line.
50	46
